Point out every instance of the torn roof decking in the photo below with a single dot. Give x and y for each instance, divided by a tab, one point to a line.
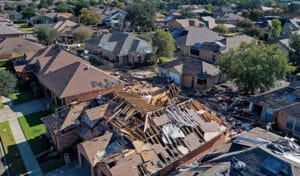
169	132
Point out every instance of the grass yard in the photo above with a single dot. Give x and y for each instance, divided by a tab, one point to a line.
13	157
33	127
21	97
52	165
24	27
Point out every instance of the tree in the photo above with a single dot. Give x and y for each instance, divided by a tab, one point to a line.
141	15
28	12
187	12
8	83
46	35
82	35
144	37
220	28
165	43
62	7
253	14
79	5
276	28
89	17
295	49
255	66
20	7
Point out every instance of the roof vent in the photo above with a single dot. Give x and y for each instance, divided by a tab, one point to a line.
238	164
87	67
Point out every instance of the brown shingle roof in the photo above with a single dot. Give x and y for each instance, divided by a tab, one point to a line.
96	112
97	145
17	45
236	41
67	75
187	22
64	15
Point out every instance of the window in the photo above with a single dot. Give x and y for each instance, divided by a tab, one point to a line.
74	99
140	59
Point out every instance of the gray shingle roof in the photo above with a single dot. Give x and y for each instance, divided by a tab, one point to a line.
198	35
121	44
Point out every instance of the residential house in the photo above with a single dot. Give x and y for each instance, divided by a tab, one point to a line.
121	49
229	18
15	47
254	152
209	22
68	79
184	23
50	18
191	36
65	28
211	51
116	20
160	19
144	139
280	106
220	12
9	30
13	15
191	73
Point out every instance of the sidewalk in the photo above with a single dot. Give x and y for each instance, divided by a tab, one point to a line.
31	164
11	113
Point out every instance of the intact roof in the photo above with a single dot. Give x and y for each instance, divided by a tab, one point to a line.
61	25
190	66
121	44
17	45
5	29
186	22
95	146
64	15
12	12
66	74
198	35
236	41
210	21
230	16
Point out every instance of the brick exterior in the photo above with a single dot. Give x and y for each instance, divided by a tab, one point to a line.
187	80
66	140
281	119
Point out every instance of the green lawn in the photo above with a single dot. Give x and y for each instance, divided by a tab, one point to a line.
15	162
33	127
21	97
24	27
52	165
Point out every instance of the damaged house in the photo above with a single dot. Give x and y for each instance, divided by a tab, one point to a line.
281	106
191	73
138	135
146	139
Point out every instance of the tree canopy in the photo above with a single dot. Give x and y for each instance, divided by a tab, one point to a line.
89	17
8	83
165	43
276	28
28	12
255	66
46	35
82	35
141	15
220	28
295	49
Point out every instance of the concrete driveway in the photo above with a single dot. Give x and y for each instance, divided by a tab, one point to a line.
72	170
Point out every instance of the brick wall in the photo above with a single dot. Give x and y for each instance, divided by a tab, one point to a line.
280	118
187	80
209	146
67	140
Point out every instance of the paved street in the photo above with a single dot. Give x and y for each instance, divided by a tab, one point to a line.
11	113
